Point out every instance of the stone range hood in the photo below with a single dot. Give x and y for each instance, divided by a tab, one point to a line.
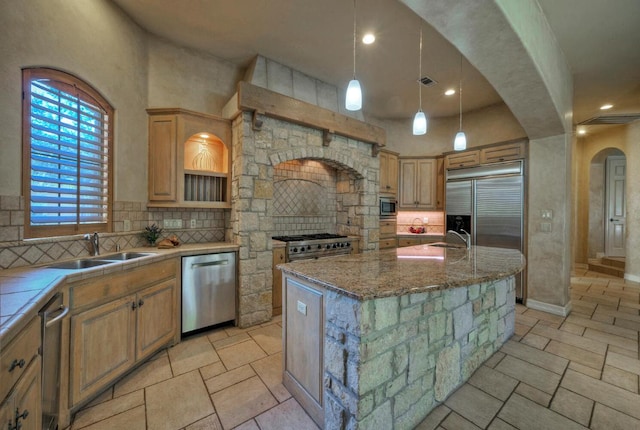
269	129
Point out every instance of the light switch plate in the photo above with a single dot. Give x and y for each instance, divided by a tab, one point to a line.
545	227
547	214
302	308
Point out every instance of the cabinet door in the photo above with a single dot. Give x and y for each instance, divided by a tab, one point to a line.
157	319
276	291
389	172
162	158
426	179
440	183
496	154
408	172
408	241
24	400
102	346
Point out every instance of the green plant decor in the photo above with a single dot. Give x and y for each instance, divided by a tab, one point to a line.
151	234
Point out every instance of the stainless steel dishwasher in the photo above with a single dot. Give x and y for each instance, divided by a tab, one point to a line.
208	290
51	317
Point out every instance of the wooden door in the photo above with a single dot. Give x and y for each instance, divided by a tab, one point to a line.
28	397
408	173
157	321
276	290
616	206
102	346
426	188
162	158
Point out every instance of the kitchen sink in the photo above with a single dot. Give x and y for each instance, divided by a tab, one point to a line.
123	256
80	264
446	245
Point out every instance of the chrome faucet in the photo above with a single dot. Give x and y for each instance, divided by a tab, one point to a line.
466	238
95	242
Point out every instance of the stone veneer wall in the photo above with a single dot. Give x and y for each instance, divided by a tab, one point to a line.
254	156
15	251
388	362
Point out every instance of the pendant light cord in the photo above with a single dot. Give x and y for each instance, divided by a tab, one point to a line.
354	39
460	91
420	71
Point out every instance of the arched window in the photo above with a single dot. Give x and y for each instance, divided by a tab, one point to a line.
67	157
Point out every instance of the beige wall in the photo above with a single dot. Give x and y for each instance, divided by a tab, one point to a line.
632	269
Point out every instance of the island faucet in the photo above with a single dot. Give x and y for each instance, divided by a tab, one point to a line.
94	239
466	238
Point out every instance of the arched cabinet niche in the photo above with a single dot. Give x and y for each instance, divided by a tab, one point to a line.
189	159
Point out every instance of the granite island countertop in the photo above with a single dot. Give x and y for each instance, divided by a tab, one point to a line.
407	270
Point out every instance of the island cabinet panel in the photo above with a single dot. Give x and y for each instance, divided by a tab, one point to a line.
23	408
276	293
303	353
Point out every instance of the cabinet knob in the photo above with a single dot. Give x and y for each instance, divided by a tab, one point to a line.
140	303
17	363
21	416
134	305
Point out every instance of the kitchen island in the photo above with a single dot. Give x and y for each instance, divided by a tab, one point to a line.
377	340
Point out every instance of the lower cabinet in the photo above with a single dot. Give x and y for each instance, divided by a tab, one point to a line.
303	322
417	240
276	290
23	407
111	333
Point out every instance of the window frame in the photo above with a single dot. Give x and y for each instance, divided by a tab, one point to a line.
87	92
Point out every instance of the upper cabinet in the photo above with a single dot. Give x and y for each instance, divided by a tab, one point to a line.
462	159
418	182
388	172
495	153
189	159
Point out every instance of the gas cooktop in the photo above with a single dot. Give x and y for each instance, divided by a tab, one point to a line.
305	237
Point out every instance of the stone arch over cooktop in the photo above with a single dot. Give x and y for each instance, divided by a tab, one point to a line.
337	160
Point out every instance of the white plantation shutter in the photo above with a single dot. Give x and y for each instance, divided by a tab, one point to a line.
68	134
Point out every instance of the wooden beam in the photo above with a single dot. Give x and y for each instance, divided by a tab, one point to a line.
266	102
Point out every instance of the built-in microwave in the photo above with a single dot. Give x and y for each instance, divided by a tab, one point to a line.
388	207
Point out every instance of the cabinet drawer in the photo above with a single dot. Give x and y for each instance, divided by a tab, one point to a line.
387	228
464	159
387	243
408	241
23	347
109	287
514	151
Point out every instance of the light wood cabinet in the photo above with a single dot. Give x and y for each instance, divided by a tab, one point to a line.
440	181
506	152
388	172
462	159
16	356
189	159
388	230
22	409
417	240
418	179
116	322
276	291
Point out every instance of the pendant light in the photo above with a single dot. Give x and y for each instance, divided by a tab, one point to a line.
420	119
460	142
353	100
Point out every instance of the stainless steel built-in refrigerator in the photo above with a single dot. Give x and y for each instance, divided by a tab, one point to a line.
488	202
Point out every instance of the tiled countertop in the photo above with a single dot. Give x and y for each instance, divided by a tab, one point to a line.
25	290
408	270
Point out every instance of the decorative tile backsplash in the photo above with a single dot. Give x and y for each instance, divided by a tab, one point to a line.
15	251
435	221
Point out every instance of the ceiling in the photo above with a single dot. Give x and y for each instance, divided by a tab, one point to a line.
600	39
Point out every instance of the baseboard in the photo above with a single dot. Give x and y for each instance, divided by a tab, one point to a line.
630	277
562	311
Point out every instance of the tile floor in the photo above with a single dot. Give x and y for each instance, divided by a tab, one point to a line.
554	373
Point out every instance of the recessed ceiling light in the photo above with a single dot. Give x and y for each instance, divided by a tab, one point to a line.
450	92
582	131
368	39
605	107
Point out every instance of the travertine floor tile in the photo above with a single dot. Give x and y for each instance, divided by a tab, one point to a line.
573	406
571	339
544	316
240	354
533	394
493	382
620	378
93	414
286	416
623	362
494	359
269	338
248	425
535	376
572	328
242	401
207	423
457	422
623	351
535	341
106	395
435	417
535	356
630	325
589	371
575	354
148	374
178	402
607	328
269	369
230	341
217	335
230	378
191	354
498	424
133	419
611	339
212	370
609	395
521	330
605	418
527	415
474	405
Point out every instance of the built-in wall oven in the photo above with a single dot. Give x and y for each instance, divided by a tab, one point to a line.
388	207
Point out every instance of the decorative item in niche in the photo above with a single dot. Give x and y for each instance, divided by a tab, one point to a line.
205	152
203	159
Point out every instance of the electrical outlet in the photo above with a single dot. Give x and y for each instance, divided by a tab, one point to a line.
193	223
425	220
127	225
172	223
